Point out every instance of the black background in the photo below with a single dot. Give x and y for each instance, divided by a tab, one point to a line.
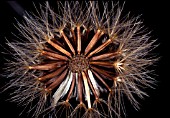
156	17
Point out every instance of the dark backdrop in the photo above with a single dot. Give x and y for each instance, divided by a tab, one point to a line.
156	17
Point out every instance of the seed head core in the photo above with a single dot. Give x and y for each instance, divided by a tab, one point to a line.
78	63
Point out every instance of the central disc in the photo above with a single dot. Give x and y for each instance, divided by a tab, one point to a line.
78	64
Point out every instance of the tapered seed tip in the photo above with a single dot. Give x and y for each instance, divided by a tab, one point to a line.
67	100
98	31
61	31
47	90
30	67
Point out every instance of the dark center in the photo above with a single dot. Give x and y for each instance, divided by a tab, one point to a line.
78	64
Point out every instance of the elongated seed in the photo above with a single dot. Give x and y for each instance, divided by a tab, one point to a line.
57	81
53	74
68	42
59	48
80	87
87	89
47	66
101	63
78	40
72	87
101	79
103	72
105	56
54	55
101	47
91	86
92	42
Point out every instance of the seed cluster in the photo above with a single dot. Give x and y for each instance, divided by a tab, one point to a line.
68	55
83	54
78	64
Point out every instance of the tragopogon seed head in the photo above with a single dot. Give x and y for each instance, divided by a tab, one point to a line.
80	61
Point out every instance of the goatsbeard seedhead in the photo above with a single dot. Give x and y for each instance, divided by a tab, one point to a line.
80	61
